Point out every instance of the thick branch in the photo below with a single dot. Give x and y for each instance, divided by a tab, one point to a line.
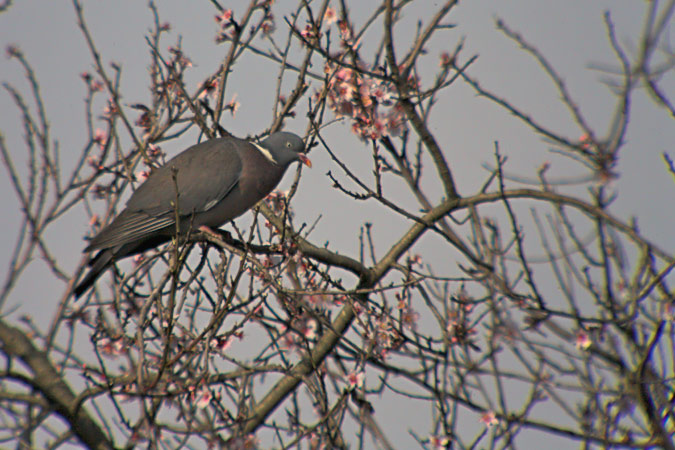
49	383
328	341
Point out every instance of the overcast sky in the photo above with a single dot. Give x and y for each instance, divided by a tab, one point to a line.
570	33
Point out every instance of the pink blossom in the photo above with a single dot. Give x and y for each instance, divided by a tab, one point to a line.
344	74
458	329
585	141
94	162
384	336
328	68
208	87
203	398
318	300
110	110
225	18
357	129
378	128
137	259
315	442
179	58
100	137
446	59
309	329
268	26
221	343
345	31
248	442
439	442
395	123
381	94
224	342
489	419
277	201
346	91
144	121
154	151
583	340
111	347
409	317
233	105
96	86
287	338
310	33
184	61
383	353
329	17
355	379
350	44
142	175
364	93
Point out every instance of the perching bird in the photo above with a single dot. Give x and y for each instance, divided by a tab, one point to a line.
216	181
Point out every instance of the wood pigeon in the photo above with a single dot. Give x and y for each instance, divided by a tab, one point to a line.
215	181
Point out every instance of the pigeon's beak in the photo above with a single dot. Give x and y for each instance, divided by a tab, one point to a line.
305	160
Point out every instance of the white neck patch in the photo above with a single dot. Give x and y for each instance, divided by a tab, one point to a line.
265	152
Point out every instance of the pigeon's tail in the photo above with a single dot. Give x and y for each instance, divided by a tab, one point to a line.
99	264
106	257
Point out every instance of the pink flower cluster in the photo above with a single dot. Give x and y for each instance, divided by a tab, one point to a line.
353	90
178	59
112	346
227	26
93	84
460	327
367	100
268	25
277	201
300	331
311	34
355	379
383	336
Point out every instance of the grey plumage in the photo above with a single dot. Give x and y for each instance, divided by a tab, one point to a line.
216	181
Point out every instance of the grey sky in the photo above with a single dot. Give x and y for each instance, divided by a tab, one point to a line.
570	33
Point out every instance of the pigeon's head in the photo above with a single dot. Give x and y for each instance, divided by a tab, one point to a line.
284	148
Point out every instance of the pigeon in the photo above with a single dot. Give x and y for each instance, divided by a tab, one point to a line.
212	183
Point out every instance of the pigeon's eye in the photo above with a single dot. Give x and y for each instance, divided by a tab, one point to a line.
288	144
